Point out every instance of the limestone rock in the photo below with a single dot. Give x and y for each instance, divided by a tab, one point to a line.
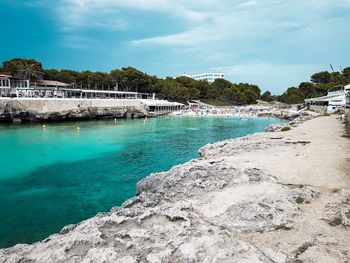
338	213
13	109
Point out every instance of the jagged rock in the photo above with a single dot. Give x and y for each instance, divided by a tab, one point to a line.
168	220
236	146
12	110
338	213
277	127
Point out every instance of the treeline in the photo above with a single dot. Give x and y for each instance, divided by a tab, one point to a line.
318	86
180	89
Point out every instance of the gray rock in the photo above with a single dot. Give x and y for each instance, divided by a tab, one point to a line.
338	213
12	110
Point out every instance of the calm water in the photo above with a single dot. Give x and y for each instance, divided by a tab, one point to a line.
54	176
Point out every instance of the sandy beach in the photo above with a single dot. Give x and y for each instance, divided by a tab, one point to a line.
268	197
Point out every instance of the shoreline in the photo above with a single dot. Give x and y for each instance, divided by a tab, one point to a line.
45	110
204	206
18	110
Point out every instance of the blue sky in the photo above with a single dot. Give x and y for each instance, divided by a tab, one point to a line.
273	43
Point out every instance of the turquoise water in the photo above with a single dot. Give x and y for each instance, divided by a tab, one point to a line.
58	175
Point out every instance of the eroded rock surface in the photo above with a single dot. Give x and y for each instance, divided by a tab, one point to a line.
12	110
338	212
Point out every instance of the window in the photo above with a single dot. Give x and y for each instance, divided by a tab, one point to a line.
5	83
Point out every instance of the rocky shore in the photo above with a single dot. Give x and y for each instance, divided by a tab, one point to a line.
268	197
40	110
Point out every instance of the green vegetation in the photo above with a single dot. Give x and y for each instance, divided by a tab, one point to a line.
320	83
216	102
267	96
23	68
347	128
335	190
287	128
335	221
299	200
221	92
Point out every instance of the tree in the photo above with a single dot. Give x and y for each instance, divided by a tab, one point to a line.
308	89
338	78
213	92
266	96
51	74
251	95
220	85
67	76
191	85
23	68
321	77
292	96
232	95
255	88
346	73
131	79
203	87
170	89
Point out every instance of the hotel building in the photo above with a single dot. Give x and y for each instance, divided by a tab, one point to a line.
335	98
210	77
50	89
13	87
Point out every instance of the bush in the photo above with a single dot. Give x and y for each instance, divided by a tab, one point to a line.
347	128
300	106
287	128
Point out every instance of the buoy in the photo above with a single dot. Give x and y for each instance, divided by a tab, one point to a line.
44	126
115	120
78	128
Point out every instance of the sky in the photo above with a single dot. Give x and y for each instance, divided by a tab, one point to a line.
275	44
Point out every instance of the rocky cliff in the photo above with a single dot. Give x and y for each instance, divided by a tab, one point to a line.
41	110
236	203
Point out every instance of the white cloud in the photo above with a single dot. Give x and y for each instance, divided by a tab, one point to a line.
284	36
75	14
206	20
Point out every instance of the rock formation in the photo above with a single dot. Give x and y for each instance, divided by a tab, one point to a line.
16	111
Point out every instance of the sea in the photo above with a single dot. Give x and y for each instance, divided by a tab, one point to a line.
56	174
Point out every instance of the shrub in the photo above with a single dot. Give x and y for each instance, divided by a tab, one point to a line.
287	128
347	128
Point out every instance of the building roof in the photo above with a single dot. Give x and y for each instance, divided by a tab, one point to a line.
324	98
5	76
49	83
161	103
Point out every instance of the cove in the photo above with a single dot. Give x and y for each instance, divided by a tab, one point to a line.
57	175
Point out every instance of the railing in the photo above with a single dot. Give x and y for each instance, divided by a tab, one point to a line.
336	92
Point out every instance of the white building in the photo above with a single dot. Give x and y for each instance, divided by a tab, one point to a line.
9	85
210	77
13	87
335	98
